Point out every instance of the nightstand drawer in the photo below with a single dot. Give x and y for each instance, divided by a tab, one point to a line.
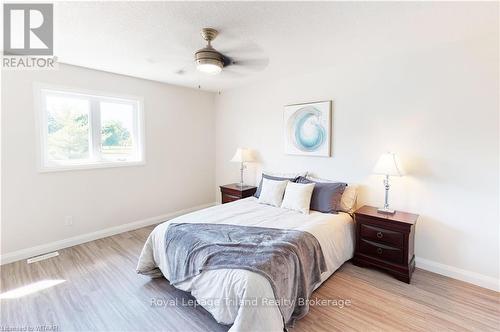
229	198
381	251
233	192
381	235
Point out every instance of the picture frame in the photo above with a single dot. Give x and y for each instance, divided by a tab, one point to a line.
307	129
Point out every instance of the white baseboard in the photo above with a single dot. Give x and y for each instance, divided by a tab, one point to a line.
456	273
79	239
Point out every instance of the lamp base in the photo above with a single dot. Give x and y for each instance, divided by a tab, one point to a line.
386	211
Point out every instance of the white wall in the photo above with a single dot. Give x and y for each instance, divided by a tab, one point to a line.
178	174
437	108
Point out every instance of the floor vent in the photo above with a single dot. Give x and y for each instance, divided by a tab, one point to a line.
42	257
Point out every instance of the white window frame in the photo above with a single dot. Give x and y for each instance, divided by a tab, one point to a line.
96	161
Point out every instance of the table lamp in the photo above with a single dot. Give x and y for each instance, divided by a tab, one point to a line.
389	165
242	156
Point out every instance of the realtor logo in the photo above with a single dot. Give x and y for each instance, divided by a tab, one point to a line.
28	29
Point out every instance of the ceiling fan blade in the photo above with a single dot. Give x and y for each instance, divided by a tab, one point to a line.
250	64
226	60
228	73
240	48
187	67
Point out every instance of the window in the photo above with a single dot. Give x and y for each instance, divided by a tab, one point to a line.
80	130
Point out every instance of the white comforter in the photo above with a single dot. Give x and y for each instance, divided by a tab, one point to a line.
220	291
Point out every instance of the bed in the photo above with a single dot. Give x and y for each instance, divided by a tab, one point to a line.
220	291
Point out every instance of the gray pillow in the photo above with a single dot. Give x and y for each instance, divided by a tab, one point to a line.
270	177
326	196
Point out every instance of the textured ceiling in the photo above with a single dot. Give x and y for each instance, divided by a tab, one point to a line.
156	40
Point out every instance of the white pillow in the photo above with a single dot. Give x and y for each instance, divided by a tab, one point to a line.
298	197
349	196
272	192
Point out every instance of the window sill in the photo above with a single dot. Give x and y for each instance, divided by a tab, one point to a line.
89	166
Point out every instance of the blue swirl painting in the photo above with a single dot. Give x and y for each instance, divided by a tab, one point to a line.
307	129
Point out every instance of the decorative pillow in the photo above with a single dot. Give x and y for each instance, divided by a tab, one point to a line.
298	197
278	177
349	197
272	192
326	196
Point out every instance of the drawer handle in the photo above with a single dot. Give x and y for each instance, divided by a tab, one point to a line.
380	235
379	251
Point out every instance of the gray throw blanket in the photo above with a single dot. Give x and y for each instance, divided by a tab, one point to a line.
291	260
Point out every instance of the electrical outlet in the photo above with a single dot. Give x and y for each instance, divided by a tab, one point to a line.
68	221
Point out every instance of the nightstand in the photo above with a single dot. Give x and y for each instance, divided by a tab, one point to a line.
385	241
233	192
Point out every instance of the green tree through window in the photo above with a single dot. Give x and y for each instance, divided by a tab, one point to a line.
114	134
68	135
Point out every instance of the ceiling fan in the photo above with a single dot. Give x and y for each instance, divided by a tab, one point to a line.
208	59
239	57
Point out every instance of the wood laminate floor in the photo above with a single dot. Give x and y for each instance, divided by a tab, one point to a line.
102	292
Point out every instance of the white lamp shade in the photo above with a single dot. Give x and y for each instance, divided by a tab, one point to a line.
389	164
242	155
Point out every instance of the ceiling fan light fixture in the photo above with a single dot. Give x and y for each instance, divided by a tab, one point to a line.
209	60
209	66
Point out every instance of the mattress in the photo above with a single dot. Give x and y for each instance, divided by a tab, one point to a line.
230	294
